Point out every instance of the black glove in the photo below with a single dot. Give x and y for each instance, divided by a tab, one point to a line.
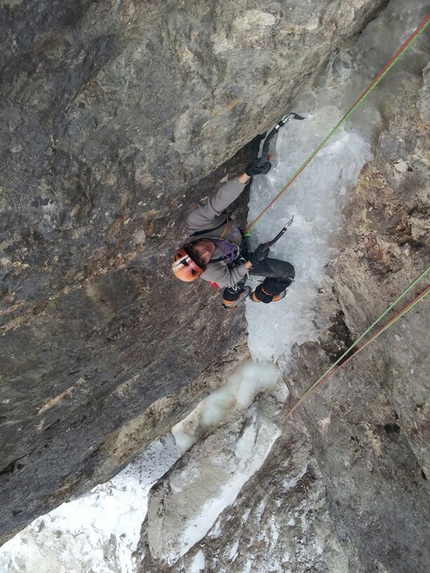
259	167
260	253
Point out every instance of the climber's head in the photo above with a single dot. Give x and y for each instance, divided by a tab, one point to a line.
191	260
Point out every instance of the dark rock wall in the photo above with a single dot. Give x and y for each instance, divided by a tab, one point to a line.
113	115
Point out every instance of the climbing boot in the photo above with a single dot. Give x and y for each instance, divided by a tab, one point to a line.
232	304
259	295
279	296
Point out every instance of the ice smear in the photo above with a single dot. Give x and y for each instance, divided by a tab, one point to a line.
201	496
97	532
236	395
290	483
315	200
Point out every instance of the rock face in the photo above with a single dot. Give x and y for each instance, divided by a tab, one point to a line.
345	487
113	116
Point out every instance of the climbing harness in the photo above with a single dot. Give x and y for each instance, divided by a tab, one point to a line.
366	92
230	251
344	359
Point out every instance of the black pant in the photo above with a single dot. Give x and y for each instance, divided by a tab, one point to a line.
274	269
278	275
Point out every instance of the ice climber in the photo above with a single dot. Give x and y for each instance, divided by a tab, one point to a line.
218	253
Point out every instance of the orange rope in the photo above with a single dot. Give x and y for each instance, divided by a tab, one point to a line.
366	92
335	368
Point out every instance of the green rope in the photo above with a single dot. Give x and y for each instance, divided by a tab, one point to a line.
333	368
366	92
422	275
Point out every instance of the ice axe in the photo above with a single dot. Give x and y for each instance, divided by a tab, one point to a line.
265	152
281	232
269	244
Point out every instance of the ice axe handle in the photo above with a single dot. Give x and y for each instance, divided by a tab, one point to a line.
281	232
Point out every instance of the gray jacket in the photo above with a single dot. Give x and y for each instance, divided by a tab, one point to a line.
209	222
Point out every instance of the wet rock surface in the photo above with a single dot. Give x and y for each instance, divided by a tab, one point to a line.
114	118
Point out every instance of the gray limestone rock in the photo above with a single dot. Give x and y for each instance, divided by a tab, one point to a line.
345	487
115	118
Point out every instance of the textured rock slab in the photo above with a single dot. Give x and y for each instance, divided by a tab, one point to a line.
111	115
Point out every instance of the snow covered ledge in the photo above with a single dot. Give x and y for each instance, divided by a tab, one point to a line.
184	505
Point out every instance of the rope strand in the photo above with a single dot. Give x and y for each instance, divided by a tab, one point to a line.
366	92
336	366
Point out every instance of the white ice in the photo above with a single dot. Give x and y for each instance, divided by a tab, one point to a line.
315	199
236	395
97	532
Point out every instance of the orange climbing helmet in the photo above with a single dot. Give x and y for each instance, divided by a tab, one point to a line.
184	267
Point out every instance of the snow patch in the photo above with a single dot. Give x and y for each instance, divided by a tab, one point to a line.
232	556
98	531
198	563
